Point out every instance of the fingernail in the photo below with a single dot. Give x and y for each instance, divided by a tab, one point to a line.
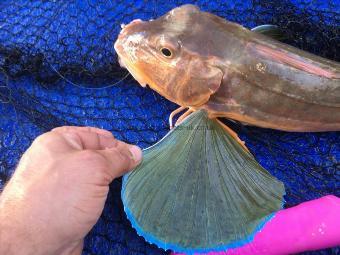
136	153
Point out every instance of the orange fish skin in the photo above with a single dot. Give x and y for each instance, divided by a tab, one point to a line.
232	72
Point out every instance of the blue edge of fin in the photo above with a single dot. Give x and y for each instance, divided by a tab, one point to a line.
168	246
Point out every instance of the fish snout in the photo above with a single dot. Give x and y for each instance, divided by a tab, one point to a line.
125	35
129	40
131	27
118	47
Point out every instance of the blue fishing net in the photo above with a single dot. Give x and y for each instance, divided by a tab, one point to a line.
57	63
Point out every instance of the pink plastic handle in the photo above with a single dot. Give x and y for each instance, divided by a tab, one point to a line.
312	225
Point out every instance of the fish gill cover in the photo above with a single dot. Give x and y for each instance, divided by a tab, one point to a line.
57	63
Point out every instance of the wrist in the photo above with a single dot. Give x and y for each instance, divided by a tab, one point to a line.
10	243
13	238
18	239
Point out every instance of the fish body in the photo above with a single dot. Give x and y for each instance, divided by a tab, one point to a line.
201	61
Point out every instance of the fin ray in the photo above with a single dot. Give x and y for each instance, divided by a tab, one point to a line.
198	190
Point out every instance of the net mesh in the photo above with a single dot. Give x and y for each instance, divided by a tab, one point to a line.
58	65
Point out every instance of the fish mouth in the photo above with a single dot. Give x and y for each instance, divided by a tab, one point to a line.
125	63
134	72
121	63
126	54
141	78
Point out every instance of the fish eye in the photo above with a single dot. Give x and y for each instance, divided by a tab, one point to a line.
166	52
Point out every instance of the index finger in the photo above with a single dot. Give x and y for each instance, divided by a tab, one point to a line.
87	138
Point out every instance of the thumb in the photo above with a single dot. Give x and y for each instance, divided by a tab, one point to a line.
121	159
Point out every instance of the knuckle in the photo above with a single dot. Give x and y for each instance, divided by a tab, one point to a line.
87	129
63	128
83	128
45	139
124	158
42	148
39	139
91	156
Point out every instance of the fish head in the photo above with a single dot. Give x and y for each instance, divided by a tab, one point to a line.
166	54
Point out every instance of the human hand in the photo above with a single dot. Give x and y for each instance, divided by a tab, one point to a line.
59	188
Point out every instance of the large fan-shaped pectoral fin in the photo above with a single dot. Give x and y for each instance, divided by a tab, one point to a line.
199	190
